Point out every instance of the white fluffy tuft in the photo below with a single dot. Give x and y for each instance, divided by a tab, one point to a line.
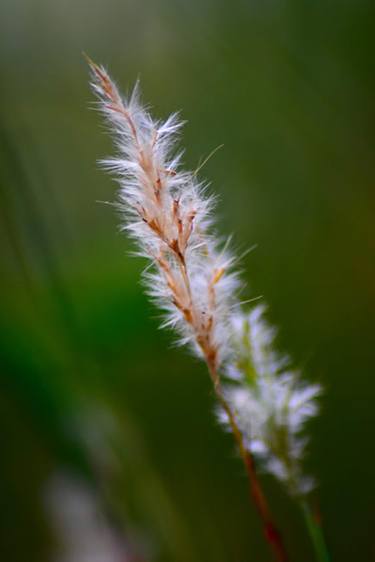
271	403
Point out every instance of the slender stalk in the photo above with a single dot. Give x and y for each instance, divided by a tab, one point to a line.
271	533
316	533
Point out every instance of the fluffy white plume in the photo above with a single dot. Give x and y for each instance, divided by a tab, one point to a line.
271	404
168	213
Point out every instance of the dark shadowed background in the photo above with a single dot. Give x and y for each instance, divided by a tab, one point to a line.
98	412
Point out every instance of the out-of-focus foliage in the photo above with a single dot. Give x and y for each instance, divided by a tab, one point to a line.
92	392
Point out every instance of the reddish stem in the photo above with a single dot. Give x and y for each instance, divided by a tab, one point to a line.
271	533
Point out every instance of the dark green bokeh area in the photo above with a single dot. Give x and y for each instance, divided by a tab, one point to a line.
90	387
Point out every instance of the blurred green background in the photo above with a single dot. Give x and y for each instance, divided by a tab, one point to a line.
100	416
